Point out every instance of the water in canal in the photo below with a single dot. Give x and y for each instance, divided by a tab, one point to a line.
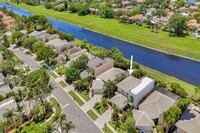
184	69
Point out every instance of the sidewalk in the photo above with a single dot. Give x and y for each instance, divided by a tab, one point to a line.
90	104
104	118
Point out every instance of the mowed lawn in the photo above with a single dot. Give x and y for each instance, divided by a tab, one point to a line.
92	114
186	46
169	79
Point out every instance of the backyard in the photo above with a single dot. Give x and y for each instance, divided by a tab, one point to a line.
186	46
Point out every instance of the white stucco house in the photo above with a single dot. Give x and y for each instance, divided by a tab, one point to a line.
97	86
135	88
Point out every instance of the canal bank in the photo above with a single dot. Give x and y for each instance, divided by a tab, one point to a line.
178	67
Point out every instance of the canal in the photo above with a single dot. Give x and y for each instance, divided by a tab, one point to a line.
181	68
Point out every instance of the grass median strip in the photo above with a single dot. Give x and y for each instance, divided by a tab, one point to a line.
106	129
92	114
76	98
29	53
53	75
63	84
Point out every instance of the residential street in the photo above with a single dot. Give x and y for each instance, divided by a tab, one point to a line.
73	112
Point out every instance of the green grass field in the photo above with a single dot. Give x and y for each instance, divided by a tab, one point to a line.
168	79
76	98
186	46
63	84
53	75
92	114
106	129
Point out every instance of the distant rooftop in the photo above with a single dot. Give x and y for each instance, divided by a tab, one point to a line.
111	74
36	33
6	105
57	42
95	62
190	120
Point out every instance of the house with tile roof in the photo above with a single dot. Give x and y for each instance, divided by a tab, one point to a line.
59	45
110	74
135	88
190	120
142	121
156	103
6	105
97	86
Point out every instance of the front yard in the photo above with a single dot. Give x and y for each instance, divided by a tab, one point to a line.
60	71
84	94
119	128
101	106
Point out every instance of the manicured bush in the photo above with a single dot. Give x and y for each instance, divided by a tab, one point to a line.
176	88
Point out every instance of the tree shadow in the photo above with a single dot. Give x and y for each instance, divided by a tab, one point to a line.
178	35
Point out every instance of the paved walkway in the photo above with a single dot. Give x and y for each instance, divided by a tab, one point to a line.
90	104
104	118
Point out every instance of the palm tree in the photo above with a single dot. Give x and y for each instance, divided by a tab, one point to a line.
34	112
196	92
50	128
9	116
2	127
47	107
67	126
90	71
20	109
78	84
129	100
61	120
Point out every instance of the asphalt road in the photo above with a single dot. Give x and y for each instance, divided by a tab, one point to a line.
70	108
